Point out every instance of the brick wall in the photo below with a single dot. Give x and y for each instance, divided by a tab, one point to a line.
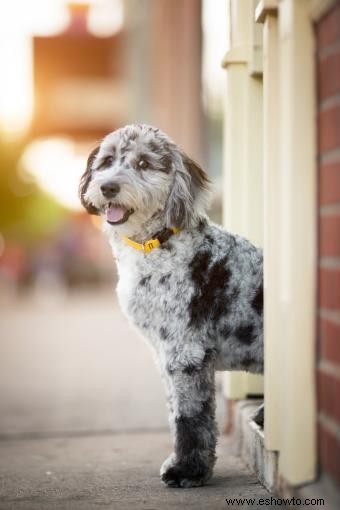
328	70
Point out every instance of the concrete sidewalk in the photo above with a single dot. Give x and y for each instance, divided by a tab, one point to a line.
71	362
118	471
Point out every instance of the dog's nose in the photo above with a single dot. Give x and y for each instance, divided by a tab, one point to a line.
110	189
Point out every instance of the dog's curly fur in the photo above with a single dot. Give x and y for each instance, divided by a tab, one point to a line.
197	299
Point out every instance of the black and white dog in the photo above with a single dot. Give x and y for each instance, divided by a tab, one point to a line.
193	290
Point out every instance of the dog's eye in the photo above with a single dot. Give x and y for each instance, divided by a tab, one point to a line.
142	164
106	162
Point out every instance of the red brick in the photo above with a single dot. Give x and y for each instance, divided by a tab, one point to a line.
329	452
328	28
329	183
328	395
330	340
329	288
329	129
329	76
329	236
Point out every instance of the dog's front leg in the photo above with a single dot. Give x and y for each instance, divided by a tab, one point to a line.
191	394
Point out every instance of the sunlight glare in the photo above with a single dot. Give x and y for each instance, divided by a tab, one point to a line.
57	166
16	92
38	17
105	17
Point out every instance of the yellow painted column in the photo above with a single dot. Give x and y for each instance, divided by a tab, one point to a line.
266	13
289	235
242	194
297	227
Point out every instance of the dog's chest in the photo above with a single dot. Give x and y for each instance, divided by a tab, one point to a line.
151	295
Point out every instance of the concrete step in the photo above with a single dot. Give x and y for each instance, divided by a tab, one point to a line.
249	444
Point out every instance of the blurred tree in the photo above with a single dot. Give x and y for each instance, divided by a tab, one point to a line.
26	212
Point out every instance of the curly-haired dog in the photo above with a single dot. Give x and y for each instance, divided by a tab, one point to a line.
192	289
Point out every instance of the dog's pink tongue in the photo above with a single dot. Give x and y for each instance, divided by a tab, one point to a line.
114	214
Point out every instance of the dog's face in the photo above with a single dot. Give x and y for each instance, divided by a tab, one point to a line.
138	173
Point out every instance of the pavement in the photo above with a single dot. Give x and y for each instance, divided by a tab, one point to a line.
118	471
83	420
71	362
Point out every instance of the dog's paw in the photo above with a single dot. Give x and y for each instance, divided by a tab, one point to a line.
183	476
169	462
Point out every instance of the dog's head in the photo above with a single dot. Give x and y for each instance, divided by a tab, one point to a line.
137	173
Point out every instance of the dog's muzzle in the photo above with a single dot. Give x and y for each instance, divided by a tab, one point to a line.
110	189
115	213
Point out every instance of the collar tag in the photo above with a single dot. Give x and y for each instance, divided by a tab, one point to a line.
148	245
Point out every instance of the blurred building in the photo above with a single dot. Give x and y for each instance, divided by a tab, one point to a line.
150	71
78	80
282	190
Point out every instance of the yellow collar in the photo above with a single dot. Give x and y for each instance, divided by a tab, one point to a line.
148	245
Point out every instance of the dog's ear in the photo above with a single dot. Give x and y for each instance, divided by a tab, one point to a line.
85	181
200	183
189	195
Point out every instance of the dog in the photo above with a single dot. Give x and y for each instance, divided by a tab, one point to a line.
194	290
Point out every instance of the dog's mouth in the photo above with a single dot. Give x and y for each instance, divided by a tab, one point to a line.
117	214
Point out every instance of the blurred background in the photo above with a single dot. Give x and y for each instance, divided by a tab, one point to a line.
71	73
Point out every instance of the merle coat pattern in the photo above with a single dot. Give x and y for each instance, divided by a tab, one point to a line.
197	299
